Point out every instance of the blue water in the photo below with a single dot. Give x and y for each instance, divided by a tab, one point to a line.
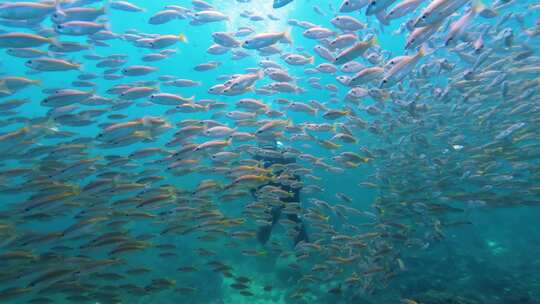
489	255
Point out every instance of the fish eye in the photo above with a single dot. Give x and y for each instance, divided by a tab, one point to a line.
59	26
424	16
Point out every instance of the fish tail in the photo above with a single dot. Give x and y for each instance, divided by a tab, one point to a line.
57	5
50	126
37	82
374	40
422	51
4	88
54	41
287	37
312	59
105	8
182	38
478	6
144	134
107	26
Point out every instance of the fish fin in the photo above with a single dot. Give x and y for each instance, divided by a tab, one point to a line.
182	38
312	59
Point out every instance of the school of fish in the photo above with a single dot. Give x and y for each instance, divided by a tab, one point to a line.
94	204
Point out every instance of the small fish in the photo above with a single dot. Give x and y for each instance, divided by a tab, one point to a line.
348	6
125	6
51	64
280	3
266	39
438	11
24	40
79	28
355	51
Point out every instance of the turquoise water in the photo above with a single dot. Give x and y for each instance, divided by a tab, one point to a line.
439	207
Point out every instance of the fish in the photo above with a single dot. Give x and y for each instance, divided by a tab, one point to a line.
263	40
19	40
353	52
280	3
348	6
376	6
401	69
125	6
25	10
403	8
52	64
437	11
79	28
